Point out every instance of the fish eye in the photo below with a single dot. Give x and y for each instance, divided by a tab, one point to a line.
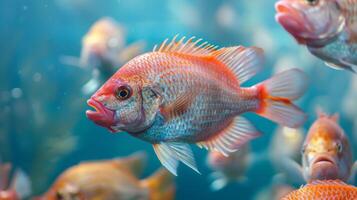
312	2
303	149
123	92
59	195
339	147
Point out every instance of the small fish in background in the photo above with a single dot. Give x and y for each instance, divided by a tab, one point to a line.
326	153
286	144
327	27
15	187
104	50
228	169
326	190
188	92
112	180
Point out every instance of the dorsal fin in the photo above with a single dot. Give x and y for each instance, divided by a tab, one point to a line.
135	163
190	46
321	114
327	183
244	62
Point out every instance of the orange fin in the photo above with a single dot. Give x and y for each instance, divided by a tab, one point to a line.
178	107
321	114
170	153
244	62
161	185
229	140
276	95
190	46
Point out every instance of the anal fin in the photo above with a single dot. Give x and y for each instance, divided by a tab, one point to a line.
230	139
171	153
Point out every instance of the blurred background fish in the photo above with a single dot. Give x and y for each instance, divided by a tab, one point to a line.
116	179
326	152
14	183
231	168
327	27
285	146
104	50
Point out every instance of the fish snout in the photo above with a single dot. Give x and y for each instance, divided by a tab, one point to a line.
291	19
101	115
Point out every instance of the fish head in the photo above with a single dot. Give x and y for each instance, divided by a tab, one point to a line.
63	192
311	22
326	151
124	103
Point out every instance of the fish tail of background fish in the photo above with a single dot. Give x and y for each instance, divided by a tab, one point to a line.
276	96
161	185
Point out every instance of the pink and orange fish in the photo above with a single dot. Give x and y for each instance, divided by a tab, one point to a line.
190	92
324	190
327	27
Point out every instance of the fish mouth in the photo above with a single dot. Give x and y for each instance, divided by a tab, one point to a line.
101	115
324	167
324	159
292	20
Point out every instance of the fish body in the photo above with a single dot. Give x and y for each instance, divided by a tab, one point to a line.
327	27
183	93
228	169
111	180
324	190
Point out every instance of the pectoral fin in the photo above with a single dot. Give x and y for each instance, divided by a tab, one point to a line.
171	153
177	107
229	140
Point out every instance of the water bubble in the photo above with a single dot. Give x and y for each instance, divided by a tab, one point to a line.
16	93
37	77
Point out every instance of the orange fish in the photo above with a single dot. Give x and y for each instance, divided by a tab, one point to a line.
189	92
326	152
111	180
324	190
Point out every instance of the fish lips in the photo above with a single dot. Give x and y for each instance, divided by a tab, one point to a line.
101	116
292	20
324	167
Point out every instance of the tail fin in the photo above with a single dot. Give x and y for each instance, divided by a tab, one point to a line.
161	185
276	95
